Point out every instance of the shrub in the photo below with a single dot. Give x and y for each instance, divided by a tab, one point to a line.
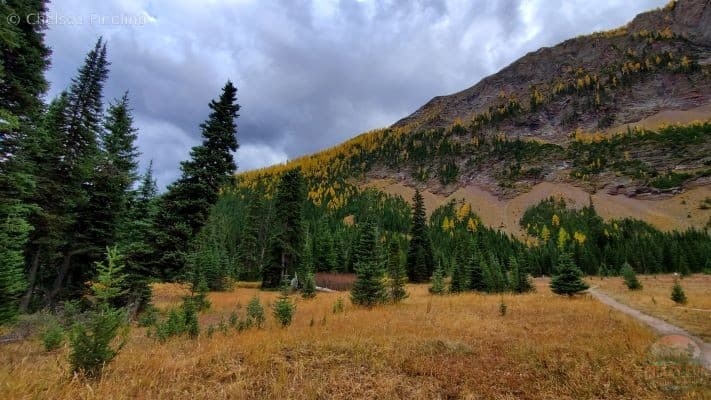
630	277
678	294
149	317
283	309
92	343
53	336
255	312
338	307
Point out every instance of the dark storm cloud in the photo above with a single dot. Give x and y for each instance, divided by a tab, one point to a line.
310	73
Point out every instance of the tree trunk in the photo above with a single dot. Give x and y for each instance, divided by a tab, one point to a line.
31	279
57	285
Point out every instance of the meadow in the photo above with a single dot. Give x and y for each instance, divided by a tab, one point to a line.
427	347
654	299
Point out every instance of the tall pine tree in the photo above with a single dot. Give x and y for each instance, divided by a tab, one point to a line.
420	261
186	205
287	242
23	59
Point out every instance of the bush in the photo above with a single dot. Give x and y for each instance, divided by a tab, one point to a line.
91	342
149	317
255	312
339	306
53	336
630	277
283	309
678	294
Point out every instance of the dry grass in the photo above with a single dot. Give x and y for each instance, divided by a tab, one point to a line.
654	299
428	347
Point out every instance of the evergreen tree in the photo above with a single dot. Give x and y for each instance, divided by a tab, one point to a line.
476	273
24	57
368	289
283	309
677	294
288	240
420	260
139	240
520	281
186	205
437	281
568	278
14	231
396	270
73	129
630	277
309	289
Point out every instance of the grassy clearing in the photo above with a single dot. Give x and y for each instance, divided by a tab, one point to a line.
429	347
654	299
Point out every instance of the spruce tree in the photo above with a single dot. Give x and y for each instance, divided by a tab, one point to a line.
476	273
520	281
568	277
72	133
437	281
139	239
677	294
186	205
630	277
368	289
396	270
288	240
420	259
24	57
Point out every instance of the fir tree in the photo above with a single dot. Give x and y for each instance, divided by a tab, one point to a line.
420	260
76	126
476	273
368	289
677	294
568	278
437	281
288	241
396	270
630	277
309	289
14	231
283	309
24	57
520	281
186	205
138	245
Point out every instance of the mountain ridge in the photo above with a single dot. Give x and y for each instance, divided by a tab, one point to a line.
588	112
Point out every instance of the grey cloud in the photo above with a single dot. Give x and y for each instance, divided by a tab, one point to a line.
310	74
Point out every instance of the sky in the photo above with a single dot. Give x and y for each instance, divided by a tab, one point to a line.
310	74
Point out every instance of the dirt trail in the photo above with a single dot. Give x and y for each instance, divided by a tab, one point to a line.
662	327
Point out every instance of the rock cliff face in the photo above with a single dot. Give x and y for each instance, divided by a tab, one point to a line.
659	61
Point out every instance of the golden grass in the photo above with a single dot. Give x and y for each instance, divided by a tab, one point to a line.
655	299
428	347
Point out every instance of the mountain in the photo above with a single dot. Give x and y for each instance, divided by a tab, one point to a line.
618	118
